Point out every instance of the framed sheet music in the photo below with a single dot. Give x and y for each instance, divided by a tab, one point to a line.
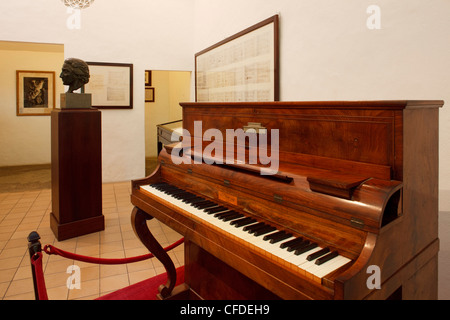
243	67
111	85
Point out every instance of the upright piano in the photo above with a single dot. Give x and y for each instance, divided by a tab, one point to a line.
339	202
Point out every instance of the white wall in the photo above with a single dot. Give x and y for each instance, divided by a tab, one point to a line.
328	53
151	35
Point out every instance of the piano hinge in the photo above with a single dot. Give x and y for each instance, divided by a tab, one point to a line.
163	162
189	171
226	182
277	198
357	222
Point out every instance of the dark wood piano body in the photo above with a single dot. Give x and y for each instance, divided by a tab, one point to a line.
363	180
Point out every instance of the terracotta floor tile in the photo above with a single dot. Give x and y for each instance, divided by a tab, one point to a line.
113	283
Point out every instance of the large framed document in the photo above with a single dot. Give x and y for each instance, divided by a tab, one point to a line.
243	67
111	85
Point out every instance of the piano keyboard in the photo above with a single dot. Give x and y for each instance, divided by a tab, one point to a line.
308	257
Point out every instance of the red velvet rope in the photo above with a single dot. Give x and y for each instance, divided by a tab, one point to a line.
49	249
36	260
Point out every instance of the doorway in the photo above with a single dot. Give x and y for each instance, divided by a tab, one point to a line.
166	90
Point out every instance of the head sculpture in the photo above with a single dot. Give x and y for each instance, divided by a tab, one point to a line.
75	74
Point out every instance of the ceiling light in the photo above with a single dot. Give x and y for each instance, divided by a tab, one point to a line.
77	4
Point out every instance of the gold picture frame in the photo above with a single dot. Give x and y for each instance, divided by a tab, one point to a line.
149	94
148	77
35	92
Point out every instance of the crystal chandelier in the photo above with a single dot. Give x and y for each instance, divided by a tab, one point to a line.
77	4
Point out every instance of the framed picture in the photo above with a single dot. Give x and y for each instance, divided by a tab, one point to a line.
243	67
148	77
111	85
149	94
35	92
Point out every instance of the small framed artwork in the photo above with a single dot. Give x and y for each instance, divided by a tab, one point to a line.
149	94
35	92
148	77
111	85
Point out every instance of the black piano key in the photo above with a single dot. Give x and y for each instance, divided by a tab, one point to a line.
159	186
227	215
176	194
234	222
317	254
298	245
215	209
232	212
206	204
264	230
301	245
200	203
273	235
196	200
232	217
221	215
253	226
173	192
162	185
243	222
327	258
189	197
168	188
182	195
277	236
291	242
219	211
282	236
305	248
257	227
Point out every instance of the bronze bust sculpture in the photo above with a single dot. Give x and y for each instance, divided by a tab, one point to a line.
75	74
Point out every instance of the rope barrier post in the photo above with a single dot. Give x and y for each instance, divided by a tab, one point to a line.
34	246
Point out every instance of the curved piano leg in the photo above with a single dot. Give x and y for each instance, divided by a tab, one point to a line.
139	220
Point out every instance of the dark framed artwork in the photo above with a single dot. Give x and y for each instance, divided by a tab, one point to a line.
111	85
149	94
148	78
35	92
243	67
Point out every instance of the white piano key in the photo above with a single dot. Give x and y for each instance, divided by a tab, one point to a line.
329	266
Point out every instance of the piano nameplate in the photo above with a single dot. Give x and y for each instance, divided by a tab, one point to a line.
228	198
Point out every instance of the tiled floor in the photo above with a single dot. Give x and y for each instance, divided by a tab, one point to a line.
23	212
